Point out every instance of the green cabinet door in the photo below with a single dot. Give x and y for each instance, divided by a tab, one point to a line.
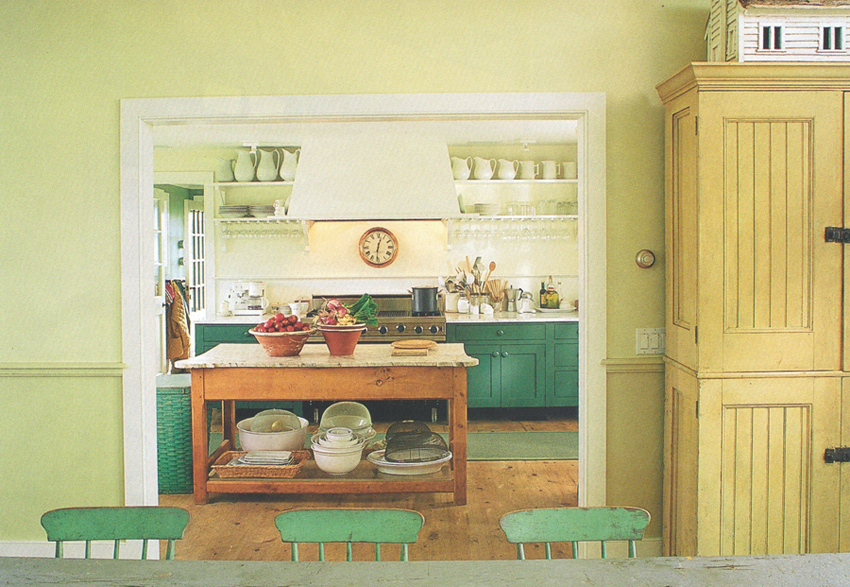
523	375
482	381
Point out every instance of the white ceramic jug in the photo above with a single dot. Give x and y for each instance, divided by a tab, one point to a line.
224	172
528	169
508	169
245	166
461	168
267	164
484	169
288	164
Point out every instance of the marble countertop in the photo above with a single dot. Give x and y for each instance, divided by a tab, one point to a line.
317	355
451	318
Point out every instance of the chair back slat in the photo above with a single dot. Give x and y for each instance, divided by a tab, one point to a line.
575	525
387	526
115	524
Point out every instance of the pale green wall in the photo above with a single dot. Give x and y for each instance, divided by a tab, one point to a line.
65	67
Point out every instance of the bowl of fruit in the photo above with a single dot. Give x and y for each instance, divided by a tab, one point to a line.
341	325
282	336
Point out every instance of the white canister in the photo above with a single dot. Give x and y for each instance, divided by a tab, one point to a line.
452	298
463	305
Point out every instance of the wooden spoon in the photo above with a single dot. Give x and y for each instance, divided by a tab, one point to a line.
489	270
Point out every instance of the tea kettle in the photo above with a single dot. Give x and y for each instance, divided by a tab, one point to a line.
526	303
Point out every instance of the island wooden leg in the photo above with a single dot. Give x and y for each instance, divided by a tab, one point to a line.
457	434
200	447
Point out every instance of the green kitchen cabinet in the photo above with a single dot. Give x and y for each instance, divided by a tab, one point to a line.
564	389
513	369
209	335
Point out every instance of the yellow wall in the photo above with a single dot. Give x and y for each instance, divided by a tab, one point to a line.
65	67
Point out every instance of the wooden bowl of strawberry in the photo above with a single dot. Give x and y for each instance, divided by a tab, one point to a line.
282	336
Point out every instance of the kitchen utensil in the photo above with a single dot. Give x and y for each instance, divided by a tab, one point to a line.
484	168
526	303
267	164
282	344
285	440
388	468
413	442
245	167
341	340
461	168
508	169
275	421
424	301
337	461
352	415
288	164
512	295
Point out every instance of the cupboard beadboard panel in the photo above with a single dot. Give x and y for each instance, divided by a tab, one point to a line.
768	281
768	198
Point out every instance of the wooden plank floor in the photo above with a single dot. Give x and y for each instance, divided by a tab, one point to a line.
241	527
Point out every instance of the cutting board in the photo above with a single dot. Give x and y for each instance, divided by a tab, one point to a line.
412	348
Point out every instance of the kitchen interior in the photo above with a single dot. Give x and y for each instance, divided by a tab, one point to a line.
483	220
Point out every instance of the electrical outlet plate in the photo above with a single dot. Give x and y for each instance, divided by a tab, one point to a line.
649	341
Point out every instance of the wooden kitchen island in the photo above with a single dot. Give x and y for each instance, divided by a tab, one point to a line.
232	372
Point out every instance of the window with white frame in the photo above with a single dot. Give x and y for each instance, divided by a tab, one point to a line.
771	37
832	38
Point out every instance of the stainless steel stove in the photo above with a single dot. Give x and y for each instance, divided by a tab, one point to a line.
396	320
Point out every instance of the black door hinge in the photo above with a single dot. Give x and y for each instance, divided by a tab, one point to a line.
836	234
837	455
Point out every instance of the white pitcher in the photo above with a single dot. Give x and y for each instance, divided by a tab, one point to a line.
245	166
528	169
288	164
224	171
484	168
461	168
267	164
508	169
551	169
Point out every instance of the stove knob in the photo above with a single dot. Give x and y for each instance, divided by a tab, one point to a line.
434	329
400	328
417	329
383	329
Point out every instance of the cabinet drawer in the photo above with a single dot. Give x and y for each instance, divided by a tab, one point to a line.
566	331
566	355
566	389
498	332
233	333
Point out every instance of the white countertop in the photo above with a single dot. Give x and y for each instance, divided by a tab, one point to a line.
555	316
317	355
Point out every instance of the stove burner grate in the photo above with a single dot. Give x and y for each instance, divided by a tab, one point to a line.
393	313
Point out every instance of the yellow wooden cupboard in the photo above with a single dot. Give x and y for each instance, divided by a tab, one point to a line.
757	384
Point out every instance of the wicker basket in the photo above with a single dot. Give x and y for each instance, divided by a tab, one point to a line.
225	470
174	439
282	344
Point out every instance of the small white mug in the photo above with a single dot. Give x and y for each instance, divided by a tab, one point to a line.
528	169
570	169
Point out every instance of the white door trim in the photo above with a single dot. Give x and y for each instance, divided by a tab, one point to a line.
140	116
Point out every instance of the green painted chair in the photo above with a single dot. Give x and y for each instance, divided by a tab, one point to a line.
574	525
116	524
320	526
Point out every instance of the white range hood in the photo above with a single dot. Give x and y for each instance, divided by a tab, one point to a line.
373	175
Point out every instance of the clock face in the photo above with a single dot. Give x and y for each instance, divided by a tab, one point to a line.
378	247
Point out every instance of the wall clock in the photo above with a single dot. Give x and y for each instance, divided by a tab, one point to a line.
378	247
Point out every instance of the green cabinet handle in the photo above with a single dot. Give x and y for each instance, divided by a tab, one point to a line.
504	353
500	333
494	354
248	334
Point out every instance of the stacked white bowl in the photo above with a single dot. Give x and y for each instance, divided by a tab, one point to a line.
338	450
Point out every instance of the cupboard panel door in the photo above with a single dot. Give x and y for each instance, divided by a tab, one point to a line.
523	375
681	231
482	381
776	493
773	183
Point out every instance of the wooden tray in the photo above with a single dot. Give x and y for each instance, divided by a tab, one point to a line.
417	343
224	470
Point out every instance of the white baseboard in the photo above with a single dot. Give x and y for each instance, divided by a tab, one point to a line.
129	550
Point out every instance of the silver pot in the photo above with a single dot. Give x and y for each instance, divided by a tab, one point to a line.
424	301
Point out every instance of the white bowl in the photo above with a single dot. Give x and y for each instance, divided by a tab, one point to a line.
286	440
337	461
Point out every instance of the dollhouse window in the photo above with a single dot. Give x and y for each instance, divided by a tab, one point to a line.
771	38
832	38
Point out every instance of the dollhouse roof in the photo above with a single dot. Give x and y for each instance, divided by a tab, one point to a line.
795	3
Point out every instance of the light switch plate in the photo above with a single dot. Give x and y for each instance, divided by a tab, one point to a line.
649	341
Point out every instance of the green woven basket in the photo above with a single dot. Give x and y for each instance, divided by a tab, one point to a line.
174	439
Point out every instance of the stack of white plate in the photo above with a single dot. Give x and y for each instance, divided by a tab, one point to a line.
261	211
266	457
233	211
